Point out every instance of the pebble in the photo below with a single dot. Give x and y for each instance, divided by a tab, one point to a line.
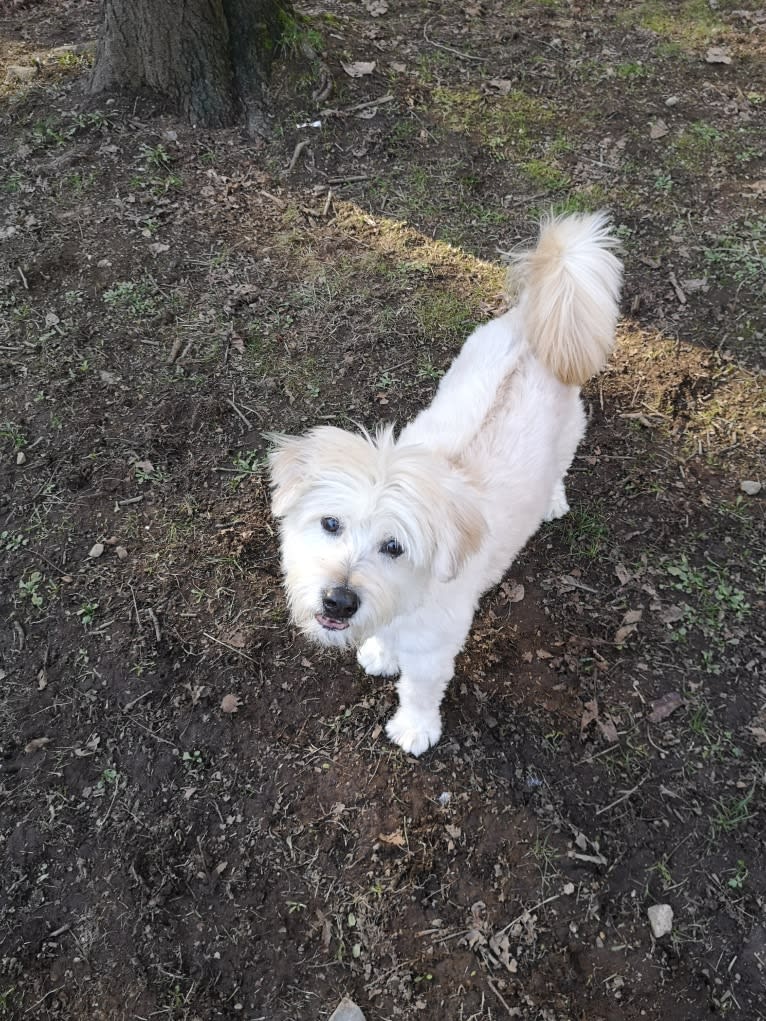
660	919
347	1010
96	550
750	487
672	101
121	552
21	457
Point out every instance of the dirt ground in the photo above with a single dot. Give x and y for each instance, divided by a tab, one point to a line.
201	816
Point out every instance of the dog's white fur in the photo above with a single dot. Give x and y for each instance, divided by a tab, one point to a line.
463	487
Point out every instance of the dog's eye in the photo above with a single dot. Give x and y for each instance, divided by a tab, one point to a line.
391	548
331	525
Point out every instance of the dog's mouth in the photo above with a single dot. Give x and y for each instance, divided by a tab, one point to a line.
330	623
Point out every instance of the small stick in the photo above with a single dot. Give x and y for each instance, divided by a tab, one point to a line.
528	911
449	49
229	647
327	202
175	350
239	413
348	180
300	146
623	797
499	995
359	106
274	198
23	278
153	617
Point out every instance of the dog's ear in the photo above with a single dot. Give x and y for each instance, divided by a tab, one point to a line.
462	528
288	470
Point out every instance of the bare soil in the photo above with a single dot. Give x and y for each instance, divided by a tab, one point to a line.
167	294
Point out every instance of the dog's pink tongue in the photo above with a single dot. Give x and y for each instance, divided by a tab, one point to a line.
331	624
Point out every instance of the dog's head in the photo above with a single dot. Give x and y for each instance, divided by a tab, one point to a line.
366	524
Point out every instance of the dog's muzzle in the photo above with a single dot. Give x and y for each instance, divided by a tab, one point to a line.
339	605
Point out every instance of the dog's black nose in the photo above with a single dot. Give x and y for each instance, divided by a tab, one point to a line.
340	603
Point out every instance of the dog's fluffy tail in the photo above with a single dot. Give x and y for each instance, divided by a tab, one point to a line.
570	285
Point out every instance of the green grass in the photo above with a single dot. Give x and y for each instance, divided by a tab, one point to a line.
503	125
731	812
584	531
739	254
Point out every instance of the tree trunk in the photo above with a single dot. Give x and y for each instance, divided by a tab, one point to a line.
210	58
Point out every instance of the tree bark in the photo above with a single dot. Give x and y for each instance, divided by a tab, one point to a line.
210	58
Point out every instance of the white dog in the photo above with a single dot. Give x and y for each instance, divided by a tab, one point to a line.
388	544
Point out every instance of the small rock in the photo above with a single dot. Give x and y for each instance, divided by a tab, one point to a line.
660	919
21	457
569	889
672	101
96	550
347	1010
122	553
750	487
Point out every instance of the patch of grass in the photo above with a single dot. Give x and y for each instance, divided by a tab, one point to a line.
631	70
732	812
696	147
444	315
546	174
739	254
504	125
584	531
139	299
11	433
716	603
690	24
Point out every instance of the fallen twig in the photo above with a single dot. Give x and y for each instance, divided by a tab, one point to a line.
236	410
299	147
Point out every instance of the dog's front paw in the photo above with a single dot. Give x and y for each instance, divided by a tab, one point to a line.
414	733
559	506
375	659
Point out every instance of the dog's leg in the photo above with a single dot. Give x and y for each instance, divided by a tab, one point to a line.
416	724
377	656
559	506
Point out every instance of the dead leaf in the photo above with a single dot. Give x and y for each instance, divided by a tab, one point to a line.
395	839
145	466
717	55
36	744
359	68
237	343
632	616
158	248
590	714
608	729
658	129
759	733
544	654
514	593
230	703
501	85
672	614
376	8
236	639
663	707
623	574
622	633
